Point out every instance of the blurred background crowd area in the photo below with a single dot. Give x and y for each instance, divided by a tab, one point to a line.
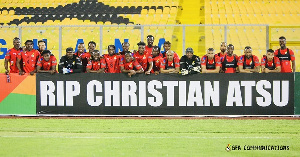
199	24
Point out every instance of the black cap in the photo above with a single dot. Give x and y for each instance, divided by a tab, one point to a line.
69	49
189	49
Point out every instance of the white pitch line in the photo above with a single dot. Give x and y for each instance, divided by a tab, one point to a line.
124	137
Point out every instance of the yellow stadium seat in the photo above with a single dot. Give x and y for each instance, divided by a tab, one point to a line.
4	12
166	10
107	23
158	11
151	12
144	11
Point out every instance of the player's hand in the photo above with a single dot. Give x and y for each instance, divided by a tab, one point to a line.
156	72
6	72
32	73
184	72
66	71
267	70
174	71
132	72
52	72
147	72
99	71
197	69
21	73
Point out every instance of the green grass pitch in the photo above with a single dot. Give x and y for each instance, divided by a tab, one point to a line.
146	137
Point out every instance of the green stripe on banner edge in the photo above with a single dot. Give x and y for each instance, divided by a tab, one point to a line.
297	94
15	104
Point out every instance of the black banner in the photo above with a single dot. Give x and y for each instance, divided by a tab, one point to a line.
165	94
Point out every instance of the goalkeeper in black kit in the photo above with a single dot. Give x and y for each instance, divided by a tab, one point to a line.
190	63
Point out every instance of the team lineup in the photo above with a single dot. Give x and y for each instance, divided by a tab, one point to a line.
148	59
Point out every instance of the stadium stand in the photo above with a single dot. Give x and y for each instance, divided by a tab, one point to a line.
133	13
88	12
272	12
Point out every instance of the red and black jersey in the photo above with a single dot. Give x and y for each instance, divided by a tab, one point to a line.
211	64
221	55
249	63
271	65
166	64
229	63
285	56
85	57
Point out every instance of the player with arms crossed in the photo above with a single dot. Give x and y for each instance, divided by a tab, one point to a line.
248	63
210	63
270	63
170	63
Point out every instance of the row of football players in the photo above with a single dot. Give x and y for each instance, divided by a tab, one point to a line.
148	59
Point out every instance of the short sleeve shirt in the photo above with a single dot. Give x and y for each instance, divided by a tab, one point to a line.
249	61
205	60
265	61
286	64
46	65
131	65
111	63
12	55
30	59
173	64
143	59
94	65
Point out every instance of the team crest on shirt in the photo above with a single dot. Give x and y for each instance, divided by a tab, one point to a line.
157	61
144	57
171	64
32	55
130	65
115	57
